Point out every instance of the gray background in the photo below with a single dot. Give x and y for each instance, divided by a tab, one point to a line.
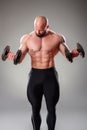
68	17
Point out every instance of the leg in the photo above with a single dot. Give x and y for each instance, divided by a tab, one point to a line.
51	93
35	118
34	94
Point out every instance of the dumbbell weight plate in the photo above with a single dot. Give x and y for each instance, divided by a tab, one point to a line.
80	50
5	53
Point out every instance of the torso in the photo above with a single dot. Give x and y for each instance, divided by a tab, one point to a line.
42	50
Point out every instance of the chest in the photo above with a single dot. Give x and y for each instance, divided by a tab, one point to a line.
46	44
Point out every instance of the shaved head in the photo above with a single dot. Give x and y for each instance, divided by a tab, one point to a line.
41	20
41	25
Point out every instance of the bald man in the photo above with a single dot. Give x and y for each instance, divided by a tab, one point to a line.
42	45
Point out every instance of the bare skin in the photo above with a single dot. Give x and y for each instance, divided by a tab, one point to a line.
42	45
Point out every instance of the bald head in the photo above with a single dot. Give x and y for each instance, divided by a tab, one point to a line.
41	20
40	25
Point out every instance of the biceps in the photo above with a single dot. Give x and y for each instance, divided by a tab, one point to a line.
23	48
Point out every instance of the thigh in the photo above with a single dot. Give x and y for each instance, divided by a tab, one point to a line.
34	91
51	91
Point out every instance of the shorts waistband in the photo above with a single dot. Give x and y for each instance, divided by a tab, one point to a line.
46	69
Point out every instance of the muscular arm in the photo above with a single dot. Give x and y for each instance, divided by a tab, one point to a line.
63	46
22	51
23	47
66	52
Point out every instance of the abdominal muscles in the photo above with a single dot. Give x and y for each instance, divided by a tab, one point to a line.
42	59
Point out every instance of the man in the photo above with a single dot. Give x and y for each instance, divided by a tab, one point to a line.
42	45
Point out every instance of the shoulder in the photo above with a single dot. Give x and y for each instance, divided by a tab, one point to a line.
58	36
23	38
62	38
26	37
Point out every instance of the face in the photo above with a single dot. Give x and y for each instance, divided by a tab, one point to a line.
40	31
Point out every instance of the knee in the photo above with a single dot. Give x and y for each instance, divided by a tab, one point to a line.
51	110
36	109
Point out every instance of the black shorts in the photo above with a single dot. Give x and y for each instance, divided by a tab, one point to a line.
43	82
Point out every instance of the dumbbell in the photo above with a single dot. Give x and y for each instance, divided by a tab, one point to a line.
17	56
79	49
5	52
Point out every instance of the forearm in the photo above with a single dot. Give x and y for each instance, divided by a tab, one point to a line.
22	58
